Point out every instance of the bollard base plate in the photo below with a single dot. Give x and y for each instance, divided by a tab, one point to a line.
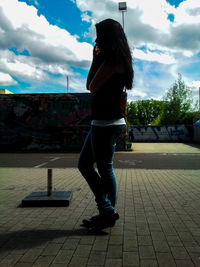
41	199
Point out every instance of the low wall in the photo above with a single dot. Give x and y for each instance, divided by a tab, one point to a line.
197	134
45	122
173	133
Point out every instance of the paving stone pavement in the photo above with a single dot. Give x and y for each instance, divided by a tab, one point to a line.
159	221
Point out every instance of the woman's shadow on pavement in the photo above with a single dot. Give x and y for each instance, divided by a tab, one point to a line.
33	238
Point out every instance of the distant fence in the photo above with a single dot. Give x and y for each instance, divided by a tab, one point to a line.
45	122
173	133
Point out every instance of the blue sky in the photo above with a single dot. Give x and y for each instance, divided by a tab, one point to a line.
43	41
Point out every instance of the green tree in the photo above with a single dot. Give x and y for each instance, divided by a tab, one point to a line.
143	112
148	110
178	103
132	114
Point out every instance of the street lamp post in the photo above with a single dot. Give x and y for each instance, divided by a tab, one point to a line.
67	77
122	8
199	99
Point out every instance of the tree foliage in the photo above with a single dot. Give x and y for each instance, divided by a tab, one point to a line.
178	102
143	112
176	107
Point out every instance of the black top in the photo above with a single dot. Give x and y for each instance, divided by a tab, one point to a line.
106	101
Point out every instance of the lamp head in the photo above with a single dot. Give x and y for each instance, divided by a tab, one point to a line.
122	6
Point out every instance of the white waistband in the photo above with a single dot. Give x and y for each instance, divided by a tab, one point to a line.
104	123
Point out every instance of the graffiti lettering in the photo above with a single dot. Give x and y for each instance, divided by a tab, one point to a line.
160	133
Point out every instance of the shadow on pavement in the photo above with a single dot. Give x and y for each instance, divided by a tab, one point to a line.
32	238
195	145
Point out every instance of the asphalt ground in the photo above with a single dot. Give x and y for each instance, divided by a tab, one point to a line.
144	156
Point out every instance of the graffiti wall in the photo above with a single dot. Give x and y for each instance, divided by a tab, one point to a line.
45	122
174	133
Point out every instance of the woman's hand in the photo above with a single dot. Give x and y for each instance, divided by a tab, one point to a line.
96	51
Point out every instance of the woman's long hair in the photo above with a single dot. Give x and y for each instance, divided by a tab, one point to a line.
113	43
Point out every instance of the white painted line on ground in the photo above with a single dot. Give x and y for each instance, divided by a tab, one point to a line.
40	165
54	159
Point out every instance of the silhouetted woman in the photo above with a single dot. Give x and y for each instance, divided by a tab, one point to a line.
111	71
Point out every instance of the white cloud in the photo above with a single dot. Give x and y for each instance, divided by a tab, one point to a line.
187	53
136	95
194	84
56	69
20	66
147	23
153	56
51	48
86	17
159	98
6	79
188	12
36	2
24	29
153	13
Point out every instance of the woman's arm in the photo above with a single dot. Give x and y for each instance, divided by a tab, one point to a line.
93	69
96	63
105	71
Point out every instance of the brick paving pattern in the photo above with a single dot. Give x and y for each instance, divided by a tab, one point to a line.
159	221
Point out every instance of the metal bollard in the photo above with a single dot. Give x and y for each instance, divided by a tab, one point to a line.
49	183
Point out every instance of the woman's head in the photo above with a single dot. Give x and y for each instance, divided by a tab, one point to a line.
109	32
112	42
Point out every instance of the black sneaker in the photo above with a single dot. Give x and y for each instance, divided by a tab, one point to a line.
90	222
104	222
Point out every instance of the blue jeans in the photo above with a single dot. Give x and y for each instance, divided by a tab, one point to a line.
99	148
